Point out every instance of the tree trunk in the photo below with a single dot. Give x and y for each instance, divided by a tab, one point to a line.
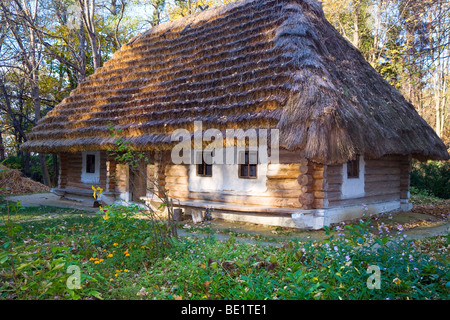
81	52
37	102
26	164
356	35
55	169
87	9
2	148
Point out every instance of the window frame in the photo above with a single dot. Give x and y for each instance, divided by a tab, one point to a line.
353	170
90	163
202	168
248	165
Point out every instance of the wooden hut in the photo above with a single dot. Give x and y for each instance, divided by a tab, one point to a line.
346	136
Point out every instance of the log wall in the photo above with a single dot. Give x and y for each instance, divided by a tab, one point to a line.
386	179
293	183
283	189
70	171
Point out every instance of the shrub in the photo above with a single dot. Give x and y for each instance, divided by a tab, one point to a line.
433	177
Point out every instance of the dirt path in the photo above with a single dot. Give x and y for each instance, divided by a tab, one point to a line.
52	200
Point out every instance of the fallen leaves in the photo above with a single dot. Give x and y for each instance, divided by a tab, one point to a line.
254	261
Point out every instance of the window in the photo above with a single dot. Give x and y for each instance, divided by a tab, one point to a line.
353	168
90	167
247	164
204	169
90	163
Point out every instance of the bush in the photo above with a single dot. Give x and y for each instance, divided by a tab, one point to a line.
432	177
15	162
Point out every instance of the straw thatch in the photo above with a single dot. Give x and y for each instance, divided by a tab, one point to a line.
249	64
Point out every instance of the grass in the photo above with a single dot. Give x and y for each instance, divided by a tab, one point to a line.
119	258
42	212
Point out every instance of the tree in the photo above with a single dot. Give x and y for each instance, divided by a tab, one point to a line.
88	15
18	16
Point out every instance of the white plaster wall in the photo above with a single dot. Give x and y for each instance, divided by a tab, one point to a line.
225	179
91	178
123	184
353	187
318	218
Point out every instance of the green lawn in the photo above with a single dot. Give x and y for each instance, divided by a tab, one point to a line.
125	258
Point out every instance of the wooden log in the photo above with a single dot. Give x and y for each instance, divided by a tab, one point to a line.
305	179
304	168
304	162
334	187
286	156
283	171
334	179
334	170
377	185
320	203
177	180
280	166
381	163
306	198
317	174
319	194
306	189
382	170
282	184
405	170
283	175
404	194
404	183
318	167
176	186
176	170
334	195
382	191
365	200
320	185
306	206
381	178
281	193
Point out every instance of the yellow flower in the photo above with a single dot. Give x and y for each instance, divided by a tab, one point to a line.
116	274
94	195
101	260
127	255
111	279
96	262
126	270
397	281
115	244
110	255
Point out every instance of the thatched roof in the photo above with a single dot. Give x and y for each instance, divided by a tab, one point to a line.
249	64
